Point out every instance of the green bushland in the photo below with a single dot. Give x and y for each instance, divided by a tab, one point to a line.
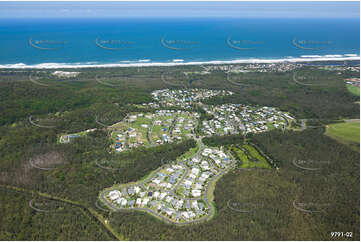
220	140
327	99
20	222
78	178
270	194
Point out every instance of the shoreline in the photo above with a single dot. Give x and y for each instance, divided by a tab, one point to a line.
179	62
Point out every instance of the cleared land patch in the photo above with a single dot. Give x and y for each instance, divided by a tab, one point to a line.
354	90
249	157
347	133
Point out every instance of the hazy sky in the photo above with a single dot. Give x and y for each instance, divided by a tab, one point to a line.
180	9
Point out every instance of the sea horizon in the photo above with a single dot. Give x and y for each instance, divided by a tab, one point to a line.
125	42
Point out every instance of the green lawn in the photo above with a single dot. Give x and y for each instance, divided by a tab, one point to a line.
354	90
345	132
247	162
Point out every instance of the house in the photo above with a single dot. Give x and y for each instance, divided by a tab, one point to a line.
196	193
131	203
131	191
162	195
195	204
156	194
137	189
185	215
169	199
195	171
145	201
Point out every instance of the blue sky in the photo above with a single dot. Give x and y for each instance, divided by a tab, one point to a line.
180	9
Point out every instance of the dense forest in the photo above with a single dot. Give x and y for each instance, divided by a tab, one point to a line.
19	221
268	197
79	170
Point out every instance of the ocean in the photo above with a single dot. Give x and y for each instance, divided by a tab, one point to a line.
52	43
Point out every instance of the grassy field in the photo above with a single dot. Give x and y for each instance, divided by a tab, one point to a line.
347	133
354	90
250	157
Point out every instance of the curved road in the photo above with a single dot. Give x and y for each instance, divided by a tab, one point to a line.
171	192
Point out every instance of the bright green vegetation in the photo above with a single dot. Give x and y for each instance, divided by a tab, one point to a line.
354	90
20	222
345	132
249	157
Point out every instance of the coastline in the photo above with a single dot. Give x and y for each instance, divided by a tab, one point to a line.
180	62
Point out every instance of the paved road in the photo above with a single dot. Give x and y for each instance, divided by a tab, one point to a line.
204	198
150	134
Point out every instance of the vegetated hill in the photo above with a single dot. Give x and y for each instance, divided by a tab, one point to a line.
269	197
18	221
